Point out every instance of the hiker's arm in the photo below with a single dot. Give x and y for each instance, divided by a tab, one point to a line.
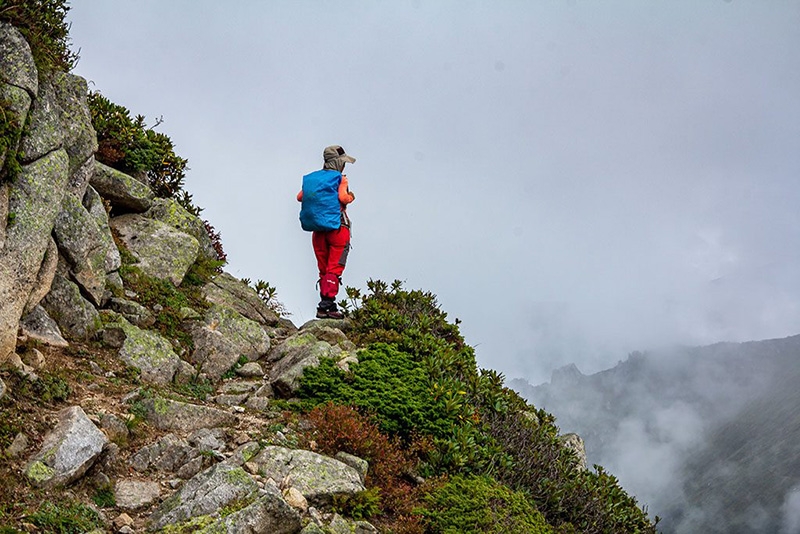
345	196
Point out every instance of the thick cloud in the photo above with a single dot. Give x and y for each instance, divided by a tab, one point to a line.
573	179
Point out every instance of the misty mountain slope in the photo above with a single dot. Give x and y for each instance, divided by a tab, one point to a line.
748	468
647	416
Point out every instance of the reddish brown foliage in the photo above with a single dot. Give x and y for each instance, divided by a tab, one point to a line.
342	428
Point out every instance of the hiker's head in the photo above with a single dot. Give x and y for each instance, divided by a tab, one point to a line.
335	157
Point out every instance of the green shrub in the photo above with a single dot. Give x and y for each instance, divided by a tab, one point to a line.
386	382
44	25
69	518
478	425
361	505
481	505
127	144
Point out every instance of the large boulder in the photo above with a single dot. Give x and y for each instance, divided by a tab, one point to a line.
143	349
249	337
44	278
86	247
268	514
170	454
93	203
206	493
67	451
76	317
319	478
17	103
80	139
169	211
38	326
214	354
45	131
177	416
230	292
34	200
123	191
16	61
162	251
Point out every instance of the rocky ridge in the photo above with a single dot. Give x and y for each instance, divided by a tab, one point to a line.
173	462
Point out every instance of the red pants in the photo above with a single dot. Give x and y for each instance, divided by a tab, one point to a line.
331	249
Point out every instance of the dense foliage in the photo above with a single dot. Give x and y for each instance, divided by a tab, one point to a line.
127	144
43	24
481	505
342	428
418	375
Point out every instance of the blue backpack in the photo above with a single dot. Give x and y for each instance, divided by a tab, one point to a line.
320	211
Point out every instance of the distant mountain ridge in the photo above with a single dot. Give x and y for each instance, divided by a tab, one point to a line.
692	431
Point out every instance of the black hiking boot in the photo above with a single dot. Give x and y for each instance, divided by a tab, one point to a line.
327	310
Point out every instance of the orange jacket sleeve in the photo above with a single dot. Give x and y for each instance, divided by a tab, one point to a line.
300	196
345	196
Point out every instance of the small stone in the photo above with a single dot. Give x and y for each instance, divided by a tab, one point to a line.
18	446
238	409
295	499
174	483
122	520
251	467
34	358
2	388
231	400
258	404
250	370
101	480
126	530
96	369
115	428
132	397
134	494
241	438
208	439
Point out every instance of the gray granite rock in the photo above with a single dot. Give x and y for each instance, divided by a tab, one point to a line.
162	251
123	191
67	451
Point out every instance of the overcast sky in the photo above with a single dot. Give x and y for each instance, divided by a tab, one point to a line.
574	179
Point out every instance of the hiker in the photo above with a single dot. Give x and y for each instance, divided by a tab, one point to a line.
325	196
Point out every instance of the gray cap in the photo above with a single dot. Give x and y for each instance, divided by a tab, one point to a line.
337	152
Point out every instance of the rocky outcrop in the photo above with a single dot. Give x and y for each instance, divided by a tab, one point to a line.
229	292
68	450
124	192
319	478
55	144
66	224
144	350
293	356
162	251
169	211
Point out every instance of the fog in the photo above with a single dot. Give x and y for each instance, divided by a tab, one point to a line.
574	179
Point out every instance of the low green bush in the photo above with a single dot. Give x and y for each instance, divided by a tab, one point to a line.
481	505
386	382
